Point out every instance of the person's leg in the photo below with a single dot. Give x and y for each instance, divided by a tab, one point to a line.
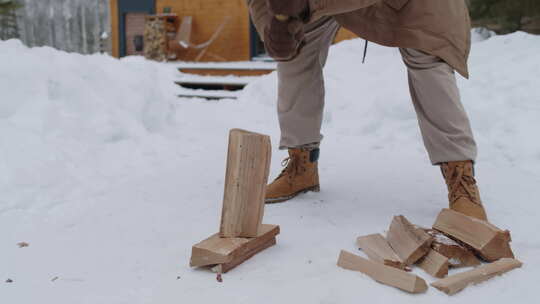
301	87
443	121
445	128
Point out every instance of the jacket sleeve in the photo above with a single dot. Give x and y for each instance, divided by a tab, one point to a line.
322	8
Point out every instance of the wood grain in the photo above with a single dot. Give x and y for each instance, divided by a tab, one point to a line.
455	283
435	264
409	242
248	165
488	241
458	255
377	249
216	250
383	274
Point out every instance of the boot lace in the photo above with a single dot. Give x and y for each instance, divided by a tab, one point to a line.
291	167
460	185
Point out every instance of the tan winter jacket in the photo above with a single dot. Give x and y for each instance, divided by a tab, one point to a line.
438	27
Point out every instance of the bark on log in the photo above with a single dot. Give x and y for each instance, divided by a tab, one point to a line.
248	165
409	242
376	247
488	241
383	274
455	283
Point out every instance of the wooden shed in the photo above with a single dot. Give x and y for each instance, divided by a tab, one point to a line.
238	41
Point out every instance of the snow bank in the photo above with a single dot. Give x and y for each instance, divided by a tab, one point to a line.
111	179
59	112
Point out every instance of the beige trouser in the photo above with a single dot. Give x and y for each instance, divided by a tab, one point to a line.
443	122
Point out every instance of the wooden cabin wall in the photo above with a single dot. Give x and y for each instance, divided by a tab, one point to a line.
233	43
115	36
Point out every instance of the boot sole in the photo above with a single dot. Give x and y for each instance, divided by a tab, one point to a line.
286	198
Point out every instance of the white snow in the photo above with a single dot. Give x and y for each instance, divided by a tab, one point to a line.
111	179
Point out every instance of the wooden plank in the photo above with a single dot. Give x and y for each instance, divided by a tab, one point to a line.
455	283
409	242
216	250
377	249
488	241
383	274
248	165
225	267
115	35
435	264
458	255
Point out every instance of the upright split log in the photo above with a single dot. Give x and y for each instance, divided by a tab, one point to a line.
455	283
248	165
383	274
488	241
377	249
409	242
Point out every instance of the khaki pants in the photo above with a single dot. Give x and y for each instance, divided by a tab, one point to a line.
443	122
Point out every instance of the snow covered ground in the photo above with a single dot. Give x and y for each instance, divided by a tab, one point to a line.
111	179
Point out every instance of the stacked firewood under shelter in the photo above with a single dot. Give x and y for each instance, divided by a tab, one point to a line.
454	241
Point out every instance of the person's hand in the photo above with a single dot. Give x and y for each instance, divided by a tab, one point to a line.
298	9
284	39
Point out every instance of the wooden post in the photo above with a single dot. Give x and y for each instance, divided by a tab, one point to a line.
248	165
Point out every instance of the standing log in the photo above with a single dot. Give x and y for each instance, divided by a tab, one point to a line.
383	274
248	165
377	249
409	242
231	251
435	264
457	254
488	241
455	283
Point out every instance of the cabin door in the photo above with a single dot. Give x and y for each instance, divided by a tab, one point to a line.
135	33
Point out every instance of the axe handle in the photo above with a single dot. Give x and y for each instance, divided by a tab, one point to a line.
282	18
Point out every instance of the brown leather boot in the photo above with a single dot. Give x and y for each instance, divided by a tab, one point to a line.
463	193
300	175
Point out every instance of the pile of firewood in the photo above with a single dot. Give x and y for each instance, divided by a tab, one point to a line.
455	241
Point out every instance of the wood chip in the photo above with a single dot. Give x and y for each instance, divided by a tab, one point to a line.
409	242
488	241
377	249
455	283
383	274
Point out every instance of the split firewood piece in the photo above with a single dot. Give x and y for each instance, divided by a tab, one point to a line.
225	267
383	274
488	241
377	249
455	283
435	264
457	254
248	165
231	252
409	242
